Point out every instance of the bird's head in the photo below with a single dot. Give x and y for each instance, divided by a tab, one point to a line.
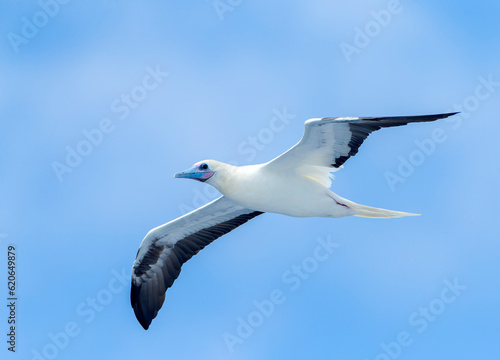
207	170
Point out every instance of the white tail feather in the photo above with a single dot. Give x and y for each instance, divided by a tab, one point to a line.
372	212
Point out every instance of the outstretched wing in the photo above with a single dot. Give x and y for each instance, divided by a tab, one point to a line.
327	143
165	248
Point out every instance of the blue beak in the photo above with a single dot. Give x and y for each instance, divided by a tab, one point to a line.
195	174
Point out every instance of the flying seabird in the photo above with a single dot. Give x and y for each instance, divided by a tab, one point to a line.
296	183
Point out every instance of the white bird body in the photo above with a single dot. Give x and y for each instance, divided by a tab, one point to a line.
296	183
292	193
287	193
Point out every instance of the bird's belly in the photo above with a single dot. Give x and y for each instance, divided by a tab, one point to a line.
300	198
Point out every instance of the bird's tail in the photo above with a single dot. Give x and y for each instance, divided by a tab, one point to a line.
372	212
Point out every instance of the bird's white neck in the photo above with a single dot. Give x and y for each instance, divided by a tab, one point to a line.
229	179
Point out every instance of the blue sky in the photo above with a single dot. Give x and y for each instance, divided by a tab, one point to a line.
102	102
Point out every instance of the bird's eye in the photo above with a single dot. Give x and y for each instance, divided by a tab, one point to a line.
203	166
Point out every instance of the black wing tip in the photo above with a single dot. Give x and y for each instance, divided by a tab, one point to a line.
413	118
378	118
145	325
445	115
144	320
